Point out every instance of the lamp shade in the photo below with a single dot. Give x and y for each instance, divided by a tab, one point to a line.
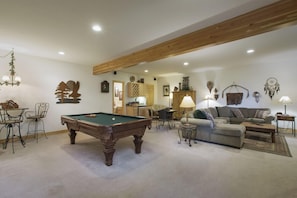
187	102
285	100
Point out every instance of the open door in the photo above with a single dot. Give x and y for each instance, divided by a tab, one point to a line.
118	97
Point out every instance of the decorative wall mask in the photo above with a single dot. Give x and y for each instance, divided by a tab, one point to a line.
209	86
68	92
256	95
271	86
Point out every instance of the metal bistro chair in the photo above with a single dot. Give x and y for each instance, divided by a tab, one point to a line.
36	118
11	118
166	115
154	116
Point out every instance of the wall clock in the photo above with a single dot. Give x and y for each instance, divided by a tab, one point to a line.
105	87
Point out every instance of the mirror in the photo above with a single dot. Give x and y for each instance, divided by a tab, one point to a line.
118	97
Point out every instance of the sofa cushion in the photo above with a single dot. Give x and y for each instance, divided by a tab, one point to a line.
213	112
237	113
244	112
224	112
261	114
199	114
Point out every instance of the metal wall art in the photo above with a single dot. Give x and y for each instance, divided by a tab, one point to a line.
68	92
271	87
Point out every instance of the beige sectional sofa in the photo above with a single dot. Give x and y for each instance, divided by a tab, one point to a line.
221	125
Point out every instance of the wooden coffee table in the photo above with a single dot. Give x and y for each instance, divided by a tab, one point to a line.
261	127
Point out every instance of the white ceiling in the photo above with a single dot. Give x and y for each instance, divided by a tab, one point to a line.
42	28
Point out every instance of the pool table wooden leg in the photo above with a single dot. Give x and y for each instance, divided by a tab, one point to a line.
72	135
108	151
137	142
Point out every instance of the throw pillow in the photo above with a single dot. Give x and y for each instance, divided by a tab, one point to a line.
237	113
211	119
261	114
199	114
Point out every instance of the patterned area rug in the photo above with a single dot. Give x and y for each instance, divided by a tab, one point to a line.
262	142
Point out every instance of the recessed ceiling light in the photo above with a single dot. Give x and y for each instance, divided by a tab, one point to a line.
146	71
96	28
186	63
61	53
250	51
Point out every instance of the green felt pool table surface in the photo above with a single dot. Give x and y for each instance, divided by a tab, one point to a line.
105	118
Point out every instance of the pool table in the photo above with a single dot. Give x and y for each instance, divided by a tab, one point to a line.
108	128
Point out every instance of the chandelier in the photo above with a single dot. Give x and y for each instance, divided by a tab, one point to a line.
11	79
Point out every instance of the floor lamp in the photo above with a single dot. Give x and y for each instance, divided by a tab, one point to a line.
285	100
187	103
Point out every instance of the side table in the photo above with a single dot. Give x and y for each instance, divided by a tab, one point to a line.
286	118
189	130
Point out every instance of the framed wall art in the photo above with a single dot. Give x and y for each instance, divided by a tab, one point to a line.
105	87
166	90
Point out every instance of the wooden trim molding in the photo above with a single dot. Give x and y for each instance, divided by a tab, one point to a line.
268	18
31	136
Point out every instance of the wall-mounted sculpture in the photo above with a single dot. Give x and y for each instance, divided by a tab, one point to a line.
68	92
271	86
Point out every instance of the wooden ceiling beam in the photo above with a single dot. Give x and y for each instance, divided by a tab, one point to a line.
274	16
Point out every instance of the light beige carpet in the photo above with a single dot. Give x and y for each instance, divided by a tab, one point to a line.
53	168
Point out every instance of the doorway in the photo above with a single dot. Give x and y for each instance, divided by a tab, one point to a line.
118	97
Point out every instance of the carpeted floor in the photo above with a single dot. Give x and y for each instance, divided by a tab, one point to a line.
54	168
262	142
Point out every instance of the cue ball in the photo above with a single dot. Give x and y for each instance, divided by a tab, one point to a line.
113	118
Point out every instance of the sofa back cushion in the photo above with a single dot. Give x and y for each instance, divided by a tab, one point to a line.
213	112
224	112
244	112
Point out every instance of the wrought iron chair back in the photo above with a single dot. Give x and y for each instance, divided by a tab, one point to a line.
36	117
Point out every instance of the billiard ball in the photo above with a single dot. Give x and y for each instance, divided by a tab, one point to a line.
113	118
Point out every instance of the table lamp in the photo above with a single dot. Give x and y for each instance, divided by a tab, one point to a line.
285	100
187	103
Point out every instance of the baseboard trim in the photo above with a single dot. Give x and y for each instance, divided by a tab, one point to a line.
31	136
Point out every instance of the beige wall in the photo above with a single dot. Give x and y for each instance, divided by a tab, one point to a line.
40	78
